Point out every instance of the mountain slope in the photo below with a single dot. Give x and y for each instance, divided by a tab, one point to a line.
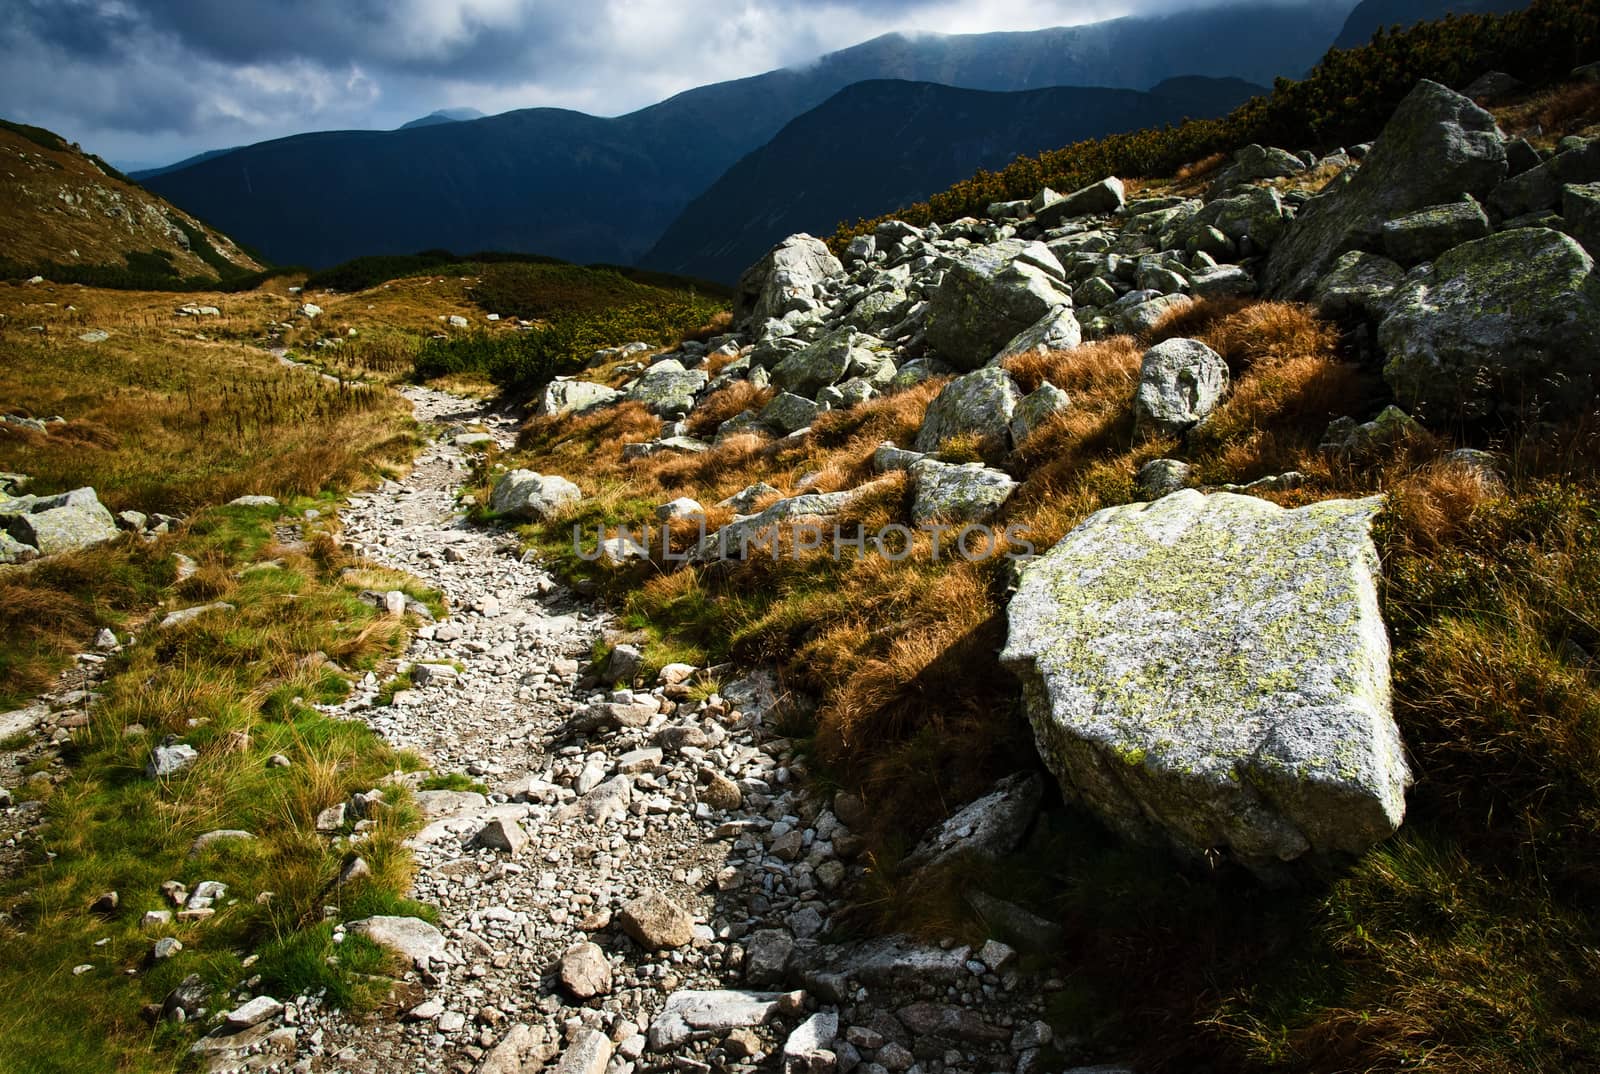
60	206
589	189
879	145
1370	16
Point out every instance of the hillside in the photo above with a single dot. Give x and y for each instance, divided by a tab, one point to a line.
588	189
1370	16
60	206
878	145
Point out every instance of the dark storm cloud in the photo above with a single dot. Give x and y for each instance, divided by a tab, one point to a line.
157	79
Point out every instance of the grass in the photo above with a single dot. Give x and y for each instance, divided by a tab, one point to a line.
239	687
162	421
1457	946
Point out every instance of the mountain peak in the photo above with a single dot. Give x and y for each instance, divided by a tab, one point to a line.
443	115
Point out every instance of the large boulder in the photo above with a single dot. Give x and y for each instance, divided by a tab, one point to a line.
1057	330
1213	672
55	524
1499	324
1181	381
837	356
1106	196
1359	285
1540	187
968	492
981	403
667	389
1426	233
1437	146
1580	208
986	300
524	494
1257	162
790	270
772	530
574	397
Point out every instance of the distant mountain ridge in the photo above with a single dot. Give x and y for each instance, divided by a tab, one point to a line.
443	115
590	189
875	146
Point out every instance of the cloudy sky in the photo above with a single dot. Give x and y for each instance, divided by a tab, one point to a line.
145	82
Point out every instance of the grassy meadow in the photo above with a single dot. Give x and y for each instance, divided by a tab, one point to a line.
161	420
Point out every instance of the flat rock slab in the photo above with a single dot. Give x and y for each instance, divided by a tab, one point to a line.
410	937
1214	670
688	1012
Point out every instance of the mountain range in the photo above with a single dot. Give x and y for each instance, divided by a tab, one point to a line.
636	187
881	144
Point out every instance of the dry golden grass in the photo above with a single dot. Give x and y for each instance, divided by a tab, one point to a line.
727	403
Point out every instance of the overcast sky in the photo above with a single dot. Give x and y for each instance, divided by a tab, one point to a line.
151	81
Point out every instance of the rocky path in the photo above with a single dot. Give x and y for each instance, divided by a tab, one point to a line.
643	884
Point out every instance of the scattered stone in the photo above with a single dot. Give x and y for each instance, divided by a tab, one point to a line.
656	922
170	759
585	971
502	834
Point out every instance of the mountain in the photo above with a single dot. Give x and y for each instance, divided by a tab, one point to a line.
443	115
589	189
139	175
1370	16
875	146
62	207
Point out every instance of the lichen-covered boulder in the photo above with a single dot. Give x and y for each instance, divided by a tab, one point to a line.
65	522
573	397
1161	477
1057	330
1426	233
14	551
1181	381
1347	441
791	270
1255	214
770	532
1580	208
787	413
985	300
667	389
1106	196
524	494
950	492
1358	285
981	403
1036	408
1437	146
1503	323
1540	187
879	311
837	356
1213	671
1257	162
